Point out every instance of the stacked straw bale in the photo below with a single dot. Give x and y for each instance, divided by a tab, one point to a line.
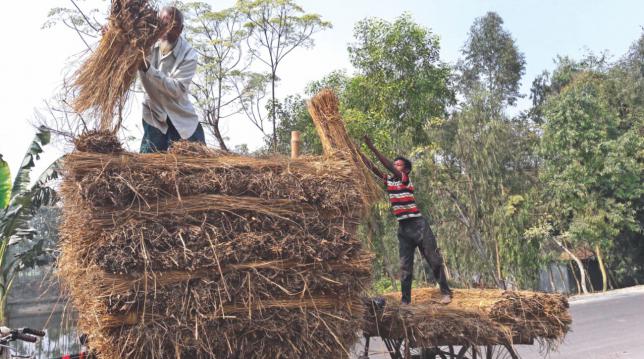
196	253
475	317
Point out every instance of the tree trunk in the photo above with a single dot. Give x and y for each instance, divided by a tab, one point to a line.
552	280
3	302
498	265
273	118
218	136
561	276
582	271
602	268
574	275
215	124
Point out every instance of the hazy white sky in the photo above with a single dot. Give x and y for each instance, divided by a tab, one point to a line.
35	60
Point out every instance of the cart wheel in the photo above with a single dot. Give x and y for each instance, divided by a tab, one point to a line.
497	352
470	352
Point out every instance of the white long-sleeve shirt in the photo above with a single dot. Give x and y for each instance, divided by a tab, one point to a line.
166	85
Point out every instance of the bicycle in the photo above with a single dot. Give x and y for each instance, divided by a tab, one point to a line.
8	335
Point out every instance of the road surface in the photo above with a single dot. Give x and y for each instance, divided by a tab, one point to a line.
604	326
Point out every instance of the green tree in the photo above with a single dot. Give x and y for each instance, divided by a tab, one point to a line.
593	156
480	174
223	83
491	60
400	83
277	27
481	164
25	199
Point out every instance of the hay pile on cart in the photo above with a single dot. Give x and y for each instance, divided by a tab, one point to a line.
475	318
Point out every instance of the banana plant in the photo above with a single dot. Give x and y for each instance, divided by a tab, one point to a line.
5	184
18	204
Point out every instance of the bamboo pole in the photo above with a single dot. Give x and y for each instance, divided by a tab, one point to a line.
295	144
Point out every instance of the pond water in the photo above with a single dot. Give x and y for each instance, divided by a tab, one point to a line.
35	301
61	337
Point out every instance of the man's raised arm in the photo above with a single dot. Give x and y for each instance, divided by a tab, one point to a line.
371	166
384	160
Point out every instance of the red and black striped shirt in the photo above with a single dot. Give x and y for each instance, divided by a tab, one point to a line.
401	197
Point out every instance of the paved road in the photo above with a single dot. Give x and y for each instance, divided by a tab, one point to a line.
605	326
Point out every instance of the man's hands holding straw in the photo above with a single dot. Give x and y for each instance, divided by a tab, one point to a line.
145	65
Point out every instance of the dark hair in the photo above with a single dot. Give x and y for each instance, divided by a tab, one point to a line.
406	161
176	13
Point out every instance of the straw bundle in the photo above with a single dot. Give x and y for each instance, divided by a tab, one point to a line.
475	317
104	79
199	254
336	142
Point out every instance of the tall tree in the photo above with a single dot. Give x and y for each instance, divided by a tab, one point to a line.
483	162
400	83
592	151
491	60
480	173
277	27
223	83
400	86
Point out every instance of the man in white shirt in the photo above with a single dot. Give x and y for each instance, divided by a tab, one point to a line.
168	114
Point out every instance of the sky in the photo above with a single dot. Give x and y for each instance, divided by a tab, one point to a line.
36	60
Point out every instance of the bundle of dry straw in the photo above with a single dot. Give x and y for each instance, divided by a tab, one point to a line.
324	110
199	254
104	79
475	317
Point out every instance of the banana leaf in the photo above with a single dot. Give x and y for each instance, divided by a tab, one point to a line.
5	184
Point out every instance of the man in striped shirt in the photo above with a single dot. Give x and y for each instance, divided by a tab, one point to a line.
413	229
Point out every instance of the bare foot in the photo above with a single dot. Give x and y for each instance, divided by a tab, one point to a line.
445	299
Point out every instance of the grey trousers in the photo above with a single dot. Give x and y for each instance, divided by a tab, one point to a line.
415	233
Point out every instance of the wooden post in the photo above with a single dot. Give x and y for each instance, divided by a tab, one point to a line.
295	144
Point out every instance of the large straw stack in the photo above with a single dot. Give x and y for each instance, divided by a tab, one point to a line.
475	317
202	254
104	79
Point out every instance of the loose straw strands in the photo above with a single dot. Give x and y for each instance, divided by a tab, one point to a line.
122	283
336	142
80	163
475	316
233	311
104	79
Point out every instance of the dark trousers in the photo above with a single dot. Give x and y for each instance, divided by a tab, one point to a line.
412	233
156	141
